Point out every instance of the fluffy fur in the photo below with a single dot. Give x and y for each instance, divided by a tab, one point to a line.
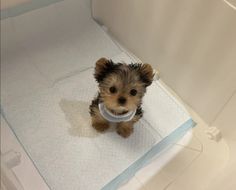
121	89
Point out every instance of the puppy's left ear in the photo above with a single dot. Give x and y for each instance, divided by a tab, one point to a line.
146	73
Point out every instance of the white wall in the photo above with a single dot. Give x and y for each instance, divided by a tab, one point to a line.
227	123
191	42
11	3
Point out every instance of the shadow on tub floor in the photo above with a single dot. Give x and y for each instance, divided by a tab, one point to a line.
77	114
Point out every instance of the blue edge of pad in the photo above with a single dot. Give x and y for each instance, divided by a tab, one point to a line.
138	164
141	162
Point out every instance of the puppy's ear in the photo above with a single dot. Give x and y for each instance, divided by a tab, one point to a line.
145	71
103	67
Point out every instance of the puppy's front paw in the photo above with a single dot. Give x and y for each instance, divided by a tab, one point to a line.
124	129
101	126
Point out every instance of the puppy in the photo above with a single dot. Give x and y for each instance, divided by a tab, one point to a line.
121	89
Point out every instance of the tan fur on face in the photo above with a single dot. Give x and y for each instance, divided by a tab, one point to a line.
124	81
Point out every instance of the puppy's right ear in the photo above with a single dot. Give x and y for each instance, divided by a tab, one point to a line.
103	67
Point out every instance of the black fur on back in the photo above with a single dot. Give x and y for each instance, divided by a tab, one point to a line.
94	104
139	111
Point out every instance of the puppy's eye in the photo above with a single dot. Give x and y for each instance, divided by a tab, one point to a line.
113	90
133	92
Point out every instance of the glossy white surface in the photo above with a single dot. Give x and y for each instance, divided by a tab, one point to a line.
202	160
191	42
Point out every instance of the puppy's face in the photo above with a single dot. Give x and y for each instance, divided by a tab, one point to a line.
122	86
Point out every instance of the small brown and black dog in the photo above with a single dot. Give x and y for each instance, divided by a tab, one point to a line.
121	89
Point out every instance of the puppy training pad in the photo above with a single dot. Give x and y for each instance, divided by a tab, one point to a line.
54	127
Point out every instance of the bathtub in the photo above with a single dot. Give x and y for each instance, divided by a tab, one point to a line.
47	45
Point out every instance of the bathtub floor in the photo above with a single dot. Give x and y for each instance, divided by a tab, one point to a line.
188	162
183	157
194	167
41	48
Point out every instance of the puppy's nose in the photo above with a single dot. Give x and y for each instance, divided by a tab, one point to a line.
122	100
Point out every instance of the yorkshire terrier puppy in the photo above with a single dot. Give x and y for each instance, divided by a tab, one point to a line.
121	89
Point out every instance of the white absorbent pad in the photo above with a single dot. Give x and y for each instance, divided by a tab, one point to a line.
54	127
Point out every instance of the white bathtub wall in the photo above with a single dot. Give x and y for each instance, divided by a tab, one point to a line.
11	3
227	123
227	119
191	42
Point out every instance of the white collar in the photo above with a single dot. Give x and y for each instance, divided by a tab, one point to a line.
115	118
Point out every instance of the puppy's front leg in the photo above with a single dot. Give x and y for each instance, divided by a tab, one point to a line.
125	129
98	122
